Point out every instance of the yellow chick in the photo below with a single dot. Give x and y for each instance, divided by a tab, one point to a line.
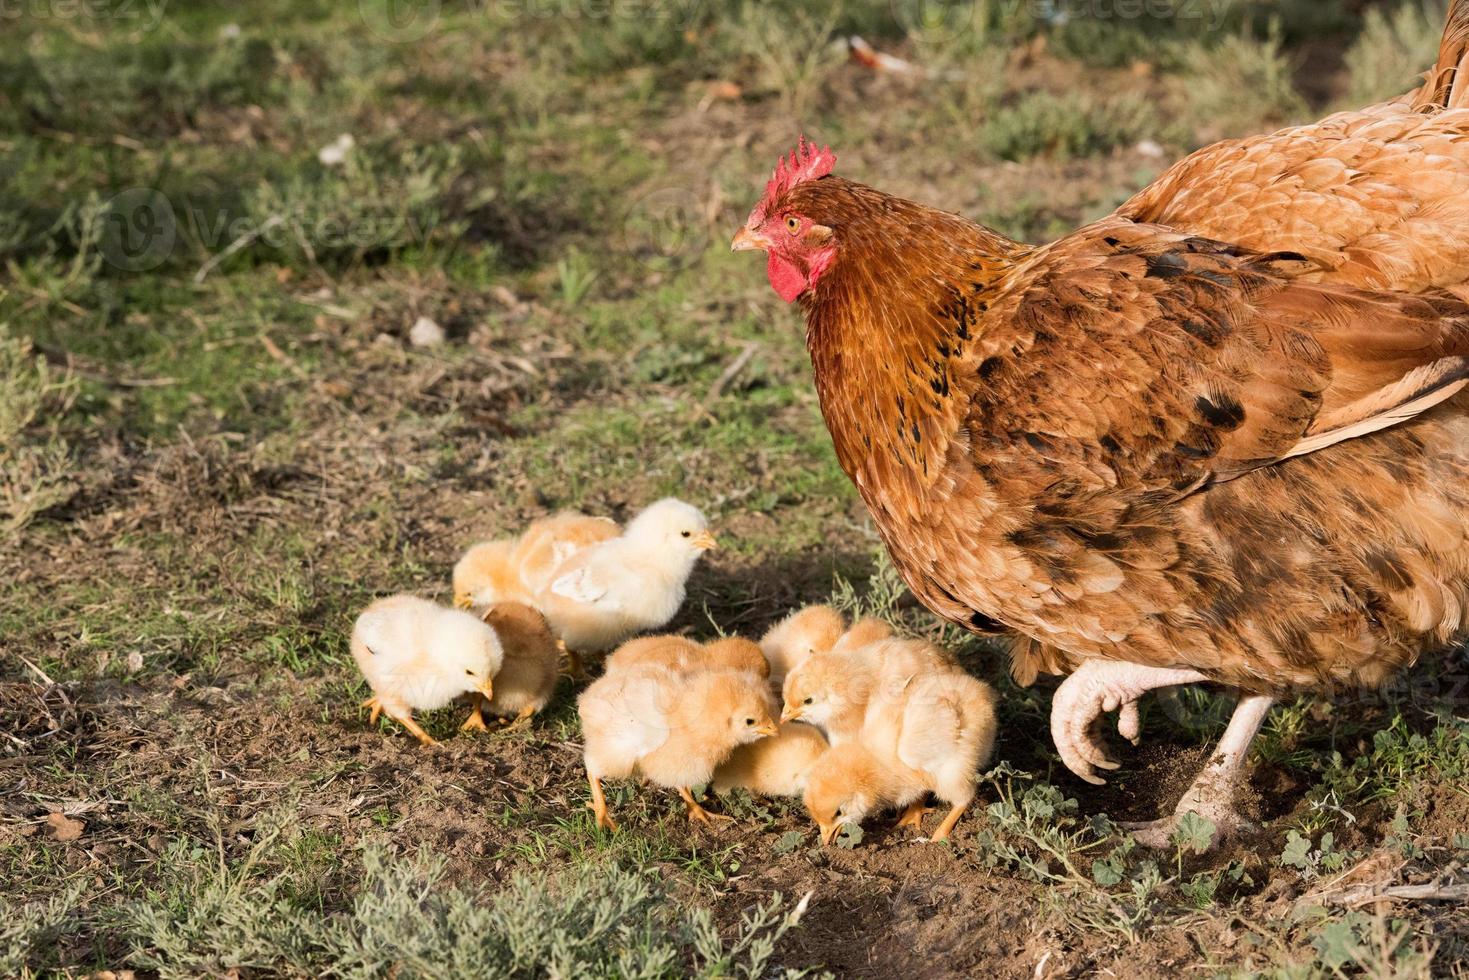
527	676
814	629
515	569
628	584
673	729
864	632
680	654
832	690
418	656
777	766
934	736
487	574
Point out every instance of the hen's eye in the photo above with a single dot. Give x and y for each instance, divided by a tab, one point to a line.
793	224
685	533
808	701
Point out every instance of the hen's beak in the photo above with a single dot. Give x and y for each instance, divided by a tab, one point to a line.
488	690
790	714
768	729
829	832
746	240
704	541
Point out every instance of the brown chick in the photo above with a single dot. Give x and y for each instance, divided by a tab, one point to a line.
814	629
673	729
528	673
488	573
833	690
776	766
933	735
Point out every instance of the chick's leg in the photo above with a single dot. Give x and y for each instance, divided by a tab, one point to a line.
599	805
1211	795
476	719
698	814
575	669
1096	687
377	709
951	819
406	720
913	816
522	720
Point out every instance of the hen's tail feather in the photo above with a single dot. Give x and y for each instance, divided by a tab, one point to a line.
1447	85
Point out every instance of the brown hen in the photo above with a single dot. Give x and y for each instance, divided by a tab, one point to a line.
1213	436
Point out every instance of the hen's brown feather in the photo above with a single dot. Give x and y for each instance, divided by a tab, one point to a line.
1219	429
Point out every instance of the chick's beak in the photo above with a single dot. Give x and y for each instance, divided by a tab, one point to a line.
488	690
463	602
705	541
829	832
790	714
746	240
767	729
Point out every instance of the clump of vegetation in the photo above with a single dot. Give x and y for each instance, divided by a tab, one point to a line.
36	466
1242	83
1388	57
1065	126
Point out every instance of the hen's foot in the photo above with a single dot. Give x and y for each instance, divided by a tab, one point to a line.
1095	688
1211	795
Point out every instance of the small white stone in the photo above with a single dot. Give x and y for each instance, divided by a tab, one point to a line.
425	333
334	154
1149	148
229	32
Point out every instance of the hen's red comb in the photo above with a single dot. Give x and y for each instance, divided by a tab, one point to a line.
806	162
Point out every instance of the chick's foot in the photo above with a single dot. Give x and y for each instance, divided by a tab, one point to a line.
698	814
912	816
1211	795
1097	687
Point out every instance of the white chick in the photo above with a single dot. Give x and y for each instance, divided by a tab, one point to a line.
418	656
527	677
776	766
832	690
934	737
815	629
607	592
673	729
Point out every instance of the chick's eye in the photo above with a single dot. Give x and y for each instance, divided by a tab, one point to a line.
793	224
686	533
749	722
468	672
808	701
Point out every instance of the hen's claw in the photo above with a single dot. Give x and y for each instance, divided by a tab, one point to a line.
1096	687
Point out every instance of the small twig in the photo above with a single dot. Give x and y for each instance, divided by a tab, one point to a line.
1368	894
38	671
243	241
746	354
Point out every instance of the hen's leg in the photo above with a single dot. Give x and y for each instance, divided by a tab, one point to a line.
1212	793
1096	687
